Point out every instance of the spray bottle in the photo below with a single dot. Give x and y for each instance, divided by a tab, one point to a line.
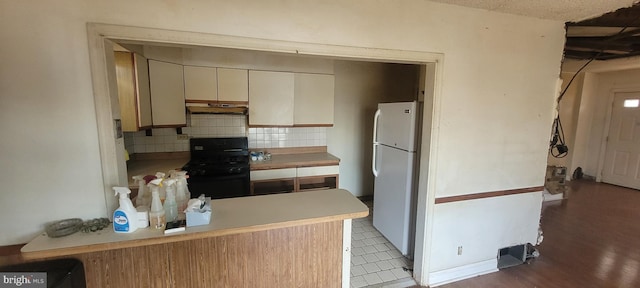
125	218
170	206
143	199
161	190
172	173
182	193
156	214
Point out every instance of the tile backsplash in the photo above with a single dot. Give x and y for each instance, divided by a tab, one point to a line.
213	125
279	137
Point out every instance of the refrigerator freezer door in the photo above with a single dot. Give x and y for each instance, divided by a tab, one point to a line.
396	125
393	195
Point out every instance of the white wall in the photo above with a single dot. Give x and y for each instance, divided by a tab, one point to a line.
498	223
496	94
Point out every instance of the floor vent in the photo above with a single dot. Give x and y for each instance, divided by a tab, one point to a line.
512	256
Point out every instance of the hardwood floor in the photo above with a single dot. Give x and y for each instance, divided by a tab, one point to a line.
590	240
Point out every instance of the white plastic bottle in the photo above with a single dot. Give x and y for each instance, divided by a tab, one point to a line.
125	218
161	189
143	199
170	205
182	192
157	219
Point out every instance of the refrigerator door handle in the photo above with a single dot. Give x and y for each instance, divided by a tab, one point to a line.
375	126
373	162
375	143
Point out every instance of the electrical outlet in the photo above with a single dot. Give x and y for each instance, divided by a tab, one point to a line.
183	137
459	250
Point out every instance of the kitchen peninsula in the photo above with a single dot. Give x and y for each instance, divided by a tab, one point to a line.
281	240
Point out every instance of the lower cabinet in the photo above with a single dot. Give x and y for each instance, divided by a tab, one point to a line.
273	181
317	178
273	186
288	180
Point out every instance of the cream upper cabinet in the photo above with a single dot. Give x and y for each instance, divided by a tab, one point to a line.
144	95
313	101
200	84
233	85
167	94
133	91
271	97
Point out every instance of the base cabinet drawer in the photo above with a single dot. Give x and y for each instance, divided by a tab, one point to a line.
273	174
317	170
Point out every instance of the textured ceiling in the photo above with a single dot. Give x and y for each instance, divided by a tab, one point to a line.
562	10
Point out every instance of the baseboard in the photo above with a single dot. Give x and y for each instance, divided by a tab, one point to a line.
463	272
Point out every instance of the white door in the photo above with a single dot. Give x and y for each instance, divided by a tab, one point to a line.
622	155
392	196
396	125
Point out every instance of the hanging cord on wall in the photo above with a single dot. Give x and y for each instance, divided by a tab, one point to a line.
557	146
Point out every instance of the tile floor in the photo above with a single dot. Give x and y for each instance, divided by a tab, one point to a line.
374	261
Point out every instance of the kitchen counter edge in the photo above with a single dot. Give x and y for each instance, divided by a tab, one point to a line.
227	218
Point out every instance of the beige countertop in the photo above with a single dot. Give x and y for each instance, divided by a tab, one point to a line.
296	160
151	165
230	216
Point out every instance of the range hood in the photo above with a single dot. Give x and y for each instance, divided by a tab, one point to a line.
222	109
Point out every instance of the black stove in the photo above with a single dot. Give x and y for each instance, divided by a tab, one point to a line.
219	167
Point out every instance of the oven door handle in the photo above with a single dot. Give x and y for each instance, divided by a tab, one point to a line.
233	150
217	178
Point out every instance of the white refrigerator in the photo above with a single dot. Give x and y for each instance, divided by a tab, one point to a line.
394	165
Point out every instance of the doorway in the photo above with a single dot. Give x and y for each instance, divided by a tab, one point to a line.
102	36
622	154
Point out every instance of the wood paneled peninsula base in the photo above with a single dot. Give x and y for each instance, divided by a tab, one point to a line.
281	240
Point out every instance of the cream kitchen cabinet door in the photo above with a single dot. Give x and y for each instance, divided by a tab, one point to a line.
144	95
200	84
233	85
132	76
167	94
313	101
271	96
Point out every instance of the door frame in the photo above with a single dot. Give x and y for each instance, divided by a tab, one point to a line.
607	126
102	36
